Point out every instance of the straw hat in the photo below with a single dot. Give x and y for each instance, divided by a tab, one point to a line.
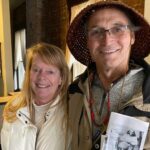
76	37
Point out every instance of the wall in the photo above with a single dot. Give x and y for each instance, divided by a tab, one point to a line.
147	16
51	22
6	49
147	10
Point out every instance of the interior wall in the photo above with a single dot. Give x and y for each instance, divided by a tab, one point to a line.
147	16
147	10
51	22
6	49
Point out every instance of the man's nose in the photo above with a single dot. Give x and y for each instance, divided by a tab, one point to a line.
108	31
107	38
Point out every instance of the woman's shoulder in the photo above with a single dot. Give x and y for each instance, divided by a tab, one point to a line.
15	103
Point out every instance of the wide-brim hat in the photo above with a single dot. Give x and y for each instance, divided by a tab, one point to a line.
77	40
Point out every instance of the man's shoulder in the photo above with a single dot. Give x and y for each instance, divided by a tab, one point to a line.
74	87
146	85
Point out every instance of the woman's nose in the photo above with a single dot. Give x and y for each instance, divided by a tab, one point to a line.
41	74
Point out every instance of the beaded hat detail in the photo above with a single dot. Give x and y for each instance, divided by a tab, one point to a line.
76	37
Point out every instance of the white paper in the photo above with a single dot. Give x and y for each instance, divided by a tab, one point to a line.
125	132
103	142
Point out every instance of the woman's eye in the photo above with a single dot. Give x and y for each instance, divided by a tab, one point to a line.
35	69
50	72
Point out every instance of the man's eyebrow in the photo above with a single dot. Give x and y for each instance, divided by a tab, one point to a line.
119	24
114	24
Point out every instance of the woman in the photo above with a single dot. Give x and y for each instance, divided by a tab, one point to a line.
37	117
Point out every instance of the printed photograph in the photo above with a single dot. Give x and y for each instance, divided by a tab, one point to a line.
126	139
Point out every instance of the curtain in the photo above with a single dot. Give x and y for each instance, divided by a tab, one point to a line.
19	60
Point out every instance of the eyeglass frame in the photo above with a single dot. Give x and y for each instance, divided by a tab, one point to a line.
110	31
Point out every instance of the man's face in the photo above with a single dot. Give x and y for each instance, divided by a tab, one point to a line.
111	48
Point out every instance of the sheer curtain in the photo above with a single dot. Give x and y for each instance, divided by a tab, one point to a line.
19	61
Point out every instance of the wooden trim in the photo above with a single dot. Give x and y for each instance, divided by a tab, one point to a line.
5	99
0	62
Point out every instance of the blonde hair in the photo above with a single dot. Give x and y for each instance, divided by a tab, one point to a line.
50	54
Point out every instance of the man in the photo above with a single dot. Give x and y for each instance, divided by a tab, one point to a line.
112	40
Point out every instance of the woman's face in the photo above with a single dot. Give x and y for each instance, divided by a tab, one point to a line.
45	80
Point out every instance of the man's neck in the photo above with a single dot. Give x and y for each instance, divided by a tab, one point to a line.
109	75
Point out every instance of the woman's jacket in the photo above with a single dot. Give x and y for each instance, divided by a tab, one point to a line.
22	134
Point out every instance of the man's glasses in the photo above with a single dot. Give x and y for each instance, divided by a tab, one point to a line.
116	31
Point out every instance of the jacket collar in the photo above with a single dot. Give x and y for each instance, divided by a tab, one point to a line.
24	116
